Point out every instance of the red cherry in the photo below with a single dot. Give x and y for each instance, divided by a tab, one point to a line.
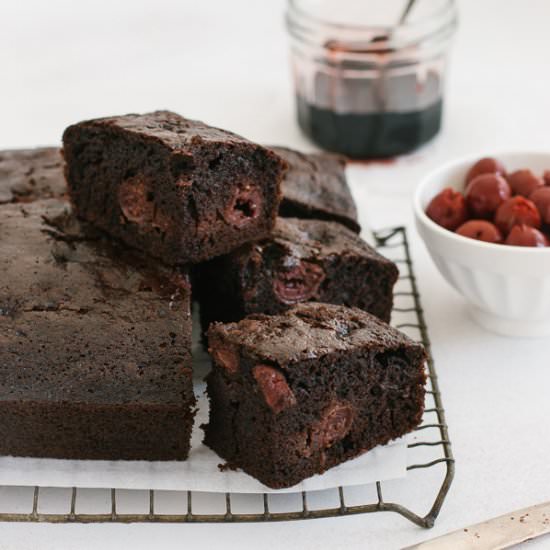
541	198
448	209
515	211
524	182
481	230
485	166
546	177
486	193
523	235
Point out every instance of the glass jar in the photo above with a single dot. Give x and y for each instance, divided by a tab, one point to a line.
368	76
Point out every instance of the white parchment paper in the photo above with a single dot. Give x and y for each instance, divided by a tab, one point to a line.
200	472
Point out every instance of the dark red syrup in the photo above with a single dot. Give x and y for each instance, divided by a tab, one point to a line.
358	135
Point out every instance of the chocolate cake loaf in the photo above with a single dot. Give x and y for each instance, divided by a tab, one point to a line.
303	260
294	394
315	186
175	188
30	174
95	344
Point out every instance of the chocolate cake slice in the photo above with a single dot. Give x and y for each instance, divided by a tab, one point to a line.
294	394
95	344
30	174
175	188
303	260
315	186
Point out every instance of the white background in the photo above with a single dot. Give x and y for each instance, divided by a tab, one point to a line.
226	62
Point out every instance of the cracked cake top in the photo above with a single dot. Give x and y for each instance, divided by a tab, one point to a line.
81	316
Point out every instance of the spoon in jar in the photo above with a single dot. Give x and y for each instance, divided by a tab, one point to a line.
404	15
380	85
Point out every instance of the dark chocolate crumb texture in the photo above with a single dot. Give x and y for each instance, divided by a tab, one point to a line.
175	188
303	260
95	344
30	174
294	394
315	186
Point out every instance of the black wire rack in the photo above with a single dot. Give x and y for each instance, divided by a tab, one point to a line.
429	453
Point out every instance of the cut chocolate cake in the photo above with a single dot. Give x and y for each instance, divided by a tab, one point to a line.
30	174
95	344
294	394
303	260
175	188
315	186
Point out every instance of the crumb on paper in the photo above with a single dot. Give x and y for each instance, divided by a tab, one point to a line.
226	466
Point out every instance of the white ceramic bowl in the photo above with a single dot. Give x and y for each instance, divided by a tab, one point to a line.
507	287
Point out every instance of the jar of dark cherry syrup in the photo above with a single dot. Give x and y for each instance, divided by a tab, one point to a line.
369	74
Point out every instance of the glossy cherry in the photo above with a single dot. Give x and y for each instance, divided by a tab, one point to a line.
448	209
485	193
524	182
541	199
523	235
517	211
485	165
481	230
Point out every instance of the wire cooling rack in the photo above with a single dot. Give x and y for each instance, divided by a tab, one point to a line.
430	467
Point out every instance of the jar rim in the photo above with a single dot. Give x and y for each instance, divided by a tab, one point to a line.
303	25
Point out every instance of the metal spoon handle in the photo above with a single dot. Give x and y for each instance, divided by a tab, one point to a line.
407	10
495	534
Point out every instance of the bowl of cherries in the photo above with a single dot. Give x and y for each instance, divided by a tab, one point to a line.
486	224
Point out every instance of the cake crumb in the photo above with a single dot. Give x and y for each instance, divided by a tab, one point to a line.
226	466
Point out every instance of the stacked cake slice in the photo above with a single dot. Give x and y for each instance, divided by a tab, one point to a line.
296	393
95	301
175	188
